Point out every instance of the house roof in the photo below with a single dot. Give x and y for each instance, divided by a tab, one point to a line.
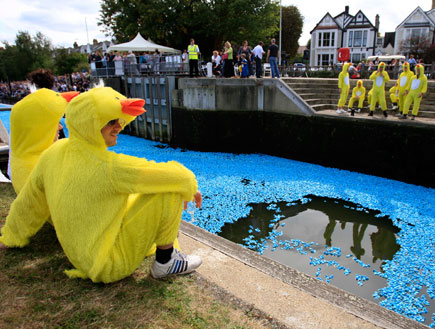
389	39
418	9
333	19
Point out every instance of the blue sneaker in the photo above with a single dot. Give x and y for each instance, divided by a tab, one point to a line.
178	264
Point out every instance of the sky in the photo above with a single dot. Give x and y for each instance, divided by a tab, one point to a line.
64	21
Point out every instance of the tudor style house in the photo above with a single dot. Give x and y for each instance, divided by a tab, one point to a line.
419	25
332	33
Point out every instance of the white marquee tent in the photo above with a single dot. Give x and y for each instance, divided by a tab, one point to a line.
140	44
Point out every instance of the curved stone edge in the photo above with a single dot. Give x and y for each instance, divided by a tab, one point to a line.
350	303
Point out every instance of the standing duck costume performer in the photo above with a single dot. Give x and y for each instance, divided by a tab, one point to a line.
358	94
34	126
379	77
415	91
343	87
404	82
107	209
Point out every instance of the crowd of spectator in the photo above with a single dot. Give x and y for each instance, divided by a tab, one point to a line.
11	92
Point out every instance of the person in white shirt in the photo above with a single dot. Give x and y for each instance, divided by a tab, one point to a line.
216	61
258	55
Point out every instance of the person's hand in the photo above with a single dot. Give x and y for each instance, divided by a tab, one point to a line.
2	246
197	198
406	92
420	96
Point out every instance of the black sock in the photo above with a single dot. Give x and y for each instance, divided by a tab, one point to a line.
164	255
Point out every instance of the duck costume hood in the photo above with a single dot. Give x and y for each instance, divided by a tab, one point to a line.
34	124
108	209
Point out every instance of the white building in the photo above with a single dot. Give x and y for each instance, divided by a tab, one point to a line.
419	24
343	31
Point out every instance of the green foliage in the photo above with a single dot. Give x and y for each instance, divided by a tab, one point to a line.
292	22
174	22
65	63
28	54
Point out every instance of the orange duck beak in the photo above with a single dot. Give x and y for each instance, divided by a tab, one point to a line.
69	95
133	106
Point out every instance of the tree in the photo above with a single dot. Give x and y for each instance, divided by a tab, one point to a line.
292	22
66	63
417	46
28	54
174	22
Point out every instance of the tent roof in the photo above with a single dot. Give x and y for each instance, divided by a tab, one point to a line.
140	44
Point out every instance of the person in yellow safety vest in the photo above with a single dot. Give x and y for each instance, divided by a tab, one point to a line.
343	87
415	91
379	77
404	82
193	51
358	94
394	95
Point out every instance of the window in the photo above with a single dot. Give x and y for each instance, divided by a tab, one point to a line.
364	43
350	38
356	58
325	59
319	60
357	39
326	39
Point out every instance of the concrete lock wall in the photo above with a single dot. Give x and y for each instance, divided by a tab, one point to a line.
244	116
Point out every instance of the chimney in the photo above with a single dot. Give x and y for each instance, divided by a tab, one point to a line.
377	22
346	9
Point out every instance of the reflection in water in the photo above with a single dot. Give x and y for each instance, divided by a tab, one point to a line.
383	242
327	223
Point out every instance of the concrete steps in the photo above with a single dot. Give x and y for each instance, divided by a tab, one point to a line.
322	94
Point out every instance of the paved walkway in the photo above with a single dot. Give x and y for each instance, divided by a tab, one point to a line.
379	116
291	298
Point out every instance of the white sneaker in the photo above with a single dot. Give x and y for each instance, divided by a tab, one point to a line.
178	264
395	107
339	111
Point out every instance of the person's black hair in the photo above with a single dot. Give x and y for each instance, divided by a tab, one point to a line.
42	78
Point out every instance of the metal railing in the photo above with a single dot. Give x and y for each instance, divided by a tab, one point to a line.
160	65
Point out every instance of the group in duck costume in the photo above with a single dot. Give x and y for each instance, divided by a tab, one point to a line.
414	92
108	209
409	89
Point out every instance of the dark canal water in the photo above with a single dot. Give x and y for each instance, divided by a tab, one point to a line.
363	240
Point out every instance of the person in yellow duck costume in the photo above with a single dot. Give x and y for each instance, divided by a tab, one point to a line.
414	94
394	95
34	127
379	77
404	82
358	94
343	87
107	209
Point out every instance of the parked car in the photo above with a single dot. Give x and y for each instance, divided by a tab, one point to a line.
299	66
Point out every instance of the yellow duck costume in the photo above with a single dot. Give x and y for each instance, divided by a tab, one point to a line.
394	94
343	86
34	124
107	209
404	82
379	77
358	94
415	91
